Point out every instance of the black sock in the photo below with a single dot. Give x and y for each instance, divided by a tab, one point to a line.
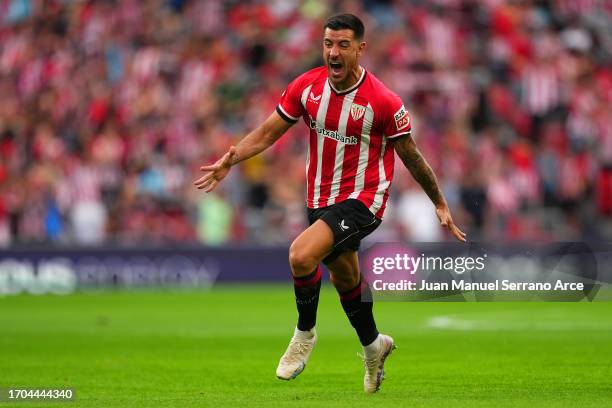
357	304
307	290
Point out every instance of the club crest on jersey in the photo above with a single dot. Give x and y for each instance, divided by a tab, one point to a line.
402	120
357	111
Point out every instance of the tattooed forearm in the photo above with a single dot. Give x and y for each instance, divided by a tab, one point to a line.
424	175
420	169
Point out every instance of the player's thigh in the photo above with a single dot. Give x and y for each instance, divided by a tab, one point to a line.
312	245
344	271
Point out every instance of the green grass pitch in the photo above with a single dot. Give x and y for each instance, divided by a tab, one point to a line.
220	348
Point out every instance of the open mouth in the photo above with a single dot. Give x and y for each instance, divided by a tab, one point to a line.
336	68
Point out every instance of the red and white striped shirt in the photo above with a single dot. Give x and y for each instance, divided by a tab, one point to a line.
349	155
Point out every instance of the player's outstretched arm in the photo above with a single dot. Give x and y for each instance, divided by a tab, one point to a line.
421	171
252	144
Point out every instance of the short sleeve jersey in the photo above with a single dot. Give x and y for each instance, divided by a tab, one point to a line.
349	151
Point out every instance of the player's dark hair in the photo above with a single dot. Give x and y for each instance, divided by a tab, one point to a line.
346	21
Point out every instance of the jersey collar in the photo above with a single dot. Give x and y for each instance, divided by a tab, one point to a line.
352	88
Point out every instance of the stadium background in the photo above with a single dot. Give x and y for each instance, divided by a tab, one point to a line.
113	105
108	109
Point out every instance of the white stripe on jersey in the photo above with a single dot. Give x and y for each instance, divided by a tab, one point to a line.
340	147
383	183
364	151
321	115
305	93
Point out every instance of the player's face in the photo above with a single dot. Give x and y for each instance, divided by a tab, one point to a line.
341	52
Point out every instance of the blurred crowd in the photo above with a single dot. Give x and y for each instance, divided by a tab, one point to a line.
108	109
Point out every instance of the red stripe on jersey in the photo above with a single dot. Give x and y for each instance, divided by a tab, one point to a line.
327	171
371	176
312	167
329	150
351	153
389	164
312	105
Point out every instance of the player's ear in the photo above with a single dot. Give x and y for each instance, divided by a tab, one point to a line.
362	46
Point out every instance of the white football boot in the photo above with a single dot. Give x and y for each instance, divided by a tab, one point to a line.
374	361
294	360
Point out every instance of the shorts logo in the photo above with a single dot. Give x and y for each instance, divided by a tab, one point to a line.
402	120
357	111
343	226
314	98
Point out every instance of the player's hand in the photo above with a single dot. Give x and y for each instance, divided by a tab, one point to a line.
215	172
446	221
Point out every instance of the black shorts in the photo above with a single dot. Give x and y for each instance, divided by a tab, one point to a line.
350	221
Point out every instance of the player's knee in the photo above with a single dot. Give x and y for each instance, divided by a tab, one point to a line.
302	262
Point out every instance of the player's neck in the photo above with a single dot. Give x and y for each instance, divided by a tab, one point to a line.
353	77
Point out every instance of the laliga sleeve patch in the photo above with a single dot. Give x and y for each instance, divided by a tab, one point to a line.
402	120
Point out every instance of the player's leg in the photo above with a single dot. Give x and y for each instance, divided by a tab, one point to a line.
305	255
356	299
310	247
355	295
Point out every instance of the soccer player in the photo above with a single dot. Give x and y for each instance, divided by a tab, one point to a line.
356	126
